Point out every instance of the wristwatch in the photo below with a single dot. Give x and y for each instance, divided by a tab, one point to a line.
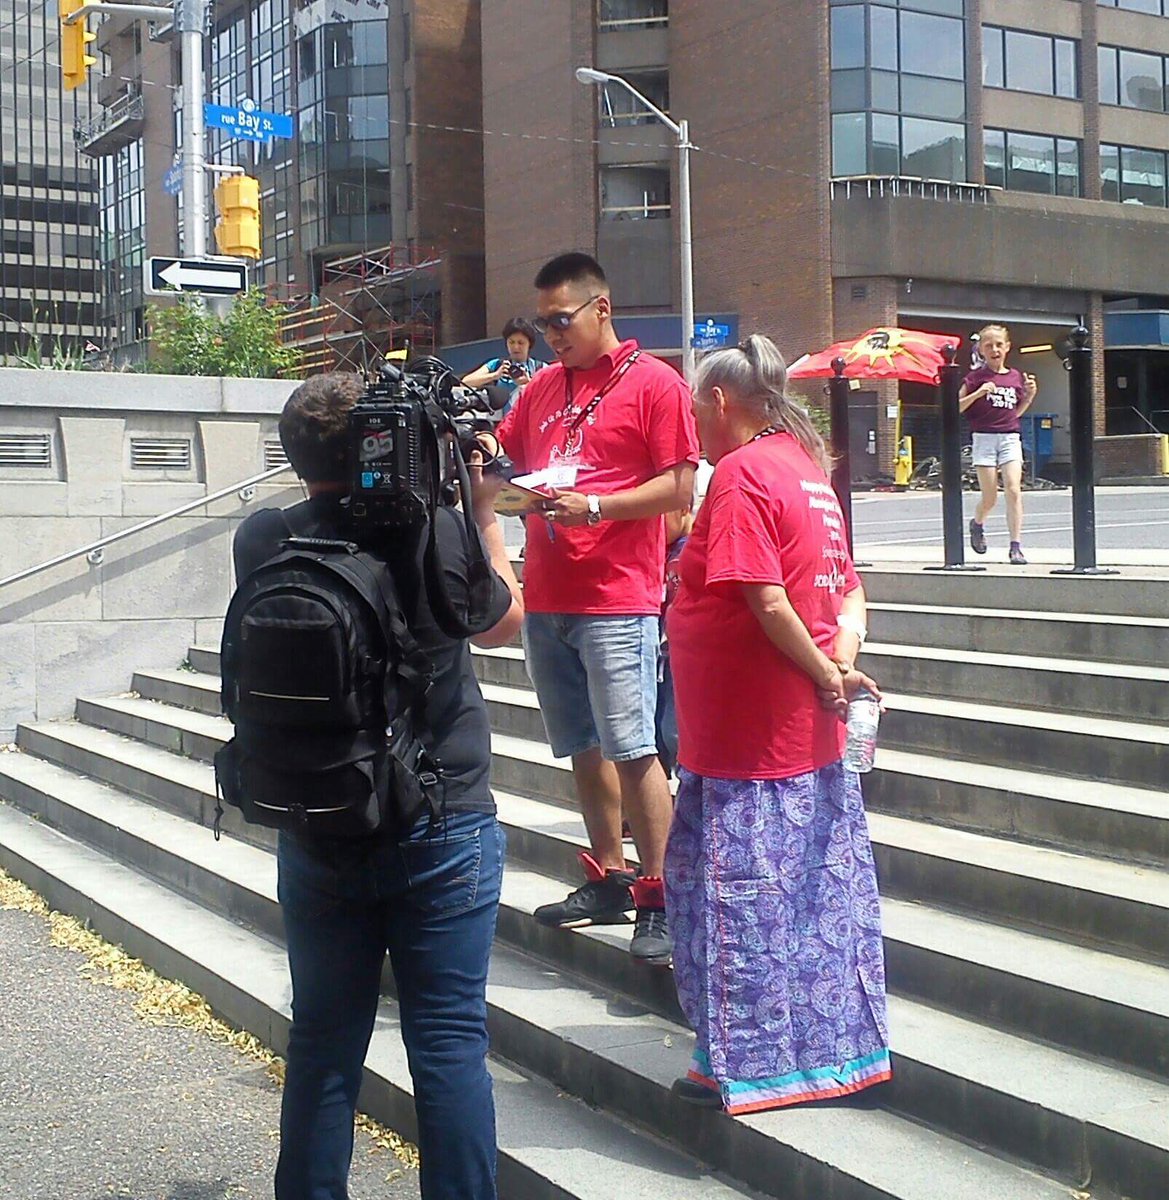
594	503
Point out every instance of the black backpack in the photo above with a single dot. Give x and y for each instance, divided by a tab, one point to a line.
326	686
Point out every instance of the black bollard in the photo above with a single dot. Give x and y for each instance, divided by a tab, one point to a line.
842	468
953	534
1082	428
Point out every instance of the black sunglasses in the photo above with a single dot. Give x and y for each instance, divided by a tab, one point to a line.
561	320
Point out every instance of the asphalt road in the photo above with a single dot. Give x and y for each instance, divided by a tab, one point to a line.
96	1104
1132	524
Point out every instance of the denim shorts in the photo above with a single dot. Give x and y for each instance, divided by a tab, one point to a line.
996	449
596	678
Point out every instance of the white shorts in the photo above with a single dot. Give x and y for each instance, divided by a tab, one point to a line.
996	449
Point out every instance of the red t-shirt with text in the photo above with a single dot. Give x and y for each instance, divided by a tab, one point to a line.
642	427
998	412
745	710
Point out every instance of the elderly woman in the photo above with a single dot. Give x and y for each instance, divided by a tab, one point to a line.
770	884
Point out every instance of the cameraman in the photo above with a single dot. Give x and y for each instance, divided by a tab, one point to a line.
430	899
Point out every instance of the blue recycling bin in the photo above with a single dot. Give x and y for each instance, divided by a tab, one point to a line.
1038	430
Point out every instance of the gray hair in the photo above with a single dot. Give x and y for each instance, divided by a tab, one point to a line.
755	375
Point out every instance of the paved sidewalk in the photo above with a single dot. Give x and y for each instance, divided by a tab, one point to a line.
96	1103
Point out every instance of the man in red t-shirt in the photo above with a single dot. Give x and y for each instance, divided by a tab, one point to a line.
616	424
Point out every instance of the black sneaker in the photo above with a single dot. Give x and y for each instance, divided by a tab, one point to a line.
598	902
1017	558
977	538
696	1093
651	938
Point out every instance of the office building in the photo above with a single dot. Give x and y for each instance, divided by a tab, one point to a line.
931	163
371	215
49	276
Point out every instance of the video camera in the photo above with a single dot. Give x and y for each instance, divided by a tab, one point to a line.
409	438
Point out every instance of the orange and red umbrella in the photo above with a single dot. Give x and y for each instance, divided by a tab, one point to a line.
886	352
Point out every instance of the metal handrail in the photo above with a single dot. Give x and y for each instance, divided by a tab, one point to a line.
95	551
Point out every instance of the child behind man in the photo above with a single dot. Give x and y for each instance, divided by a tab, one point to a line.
994	397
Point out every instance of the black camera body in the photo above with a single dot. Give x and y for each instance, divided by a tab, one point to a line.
402	439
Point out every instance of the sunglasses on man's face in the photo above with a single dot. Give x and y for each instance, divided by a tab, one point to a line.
561	320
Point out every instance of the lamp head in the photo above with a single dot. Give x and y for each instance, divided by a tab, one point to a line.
587	75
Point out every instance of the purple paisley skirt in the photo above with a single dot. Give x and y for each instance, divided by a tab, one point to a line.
772	898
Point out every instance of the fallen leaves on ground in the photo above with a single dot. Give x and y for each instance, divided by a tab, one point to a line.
163	1002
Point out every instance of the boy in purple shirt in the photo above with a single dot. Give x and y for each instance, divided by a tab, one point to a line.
994	397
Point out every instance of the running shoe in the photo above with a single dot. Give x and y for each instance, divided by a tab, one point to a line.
977	538
1017	558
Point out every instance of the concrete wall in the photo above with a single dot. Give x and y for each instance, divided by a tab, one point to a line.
80	628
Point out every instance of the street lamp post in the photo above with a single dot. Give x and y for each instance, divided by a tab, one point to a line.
681	130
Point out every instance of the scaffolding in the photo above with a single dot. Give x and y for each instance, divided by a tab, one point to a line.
369	306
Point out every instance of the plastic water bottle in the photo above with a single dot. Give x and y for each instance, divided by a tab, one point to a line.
860	747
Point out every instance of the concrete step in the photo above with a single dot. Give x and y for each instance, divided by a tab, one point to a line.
1092	1001
1071	1117
1078	897
606	1054
1089	999
551	1146
1066	1013
1090	637
194	689
1124	752
1086	816
1128	594
1088	747
1139	693
1106	819
1130	693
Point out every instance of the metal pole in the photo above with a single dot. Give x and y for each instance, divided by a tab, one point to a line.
686	244
1079	365
949	384
841	456
189	19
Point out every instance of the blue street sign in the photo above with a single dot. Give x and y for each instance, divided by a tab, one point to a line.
709	335
244	122
172	181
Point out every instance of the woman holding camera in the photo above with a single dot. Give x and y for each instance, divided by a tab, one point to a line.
770	885
517	368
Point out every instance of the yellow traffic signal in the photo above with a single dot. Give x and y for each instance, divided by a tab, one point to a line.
238	230
75	63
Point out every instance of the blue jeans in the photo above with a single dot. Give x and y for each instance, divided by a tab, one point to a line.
596	678
430	901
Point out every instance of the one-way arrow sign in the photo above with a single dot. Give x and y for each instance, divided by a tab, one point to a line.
204	275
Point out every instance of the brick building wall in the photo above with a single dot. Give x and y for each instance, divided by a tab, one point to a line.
753	81
448	155
539	159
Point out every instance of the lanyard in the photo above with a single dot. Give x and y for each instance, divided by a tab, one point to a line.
588	409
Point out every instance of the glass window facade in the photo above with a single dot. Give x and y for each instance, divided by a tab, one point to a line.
50	280
250	59
1029	62
635	193
632	14
123	242
1159	8
1131	78
1032	162
1132	175
898	89
619	108
343	116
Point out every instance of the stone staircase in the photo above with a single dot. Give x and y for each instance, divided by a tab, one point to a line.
1021	829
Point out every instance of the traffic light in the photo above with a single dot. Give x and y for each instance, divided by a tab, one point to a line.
75	62
237	231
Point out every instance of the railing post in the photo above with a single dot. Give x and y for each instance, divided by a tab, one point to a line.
1083	435
953	542
841	457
